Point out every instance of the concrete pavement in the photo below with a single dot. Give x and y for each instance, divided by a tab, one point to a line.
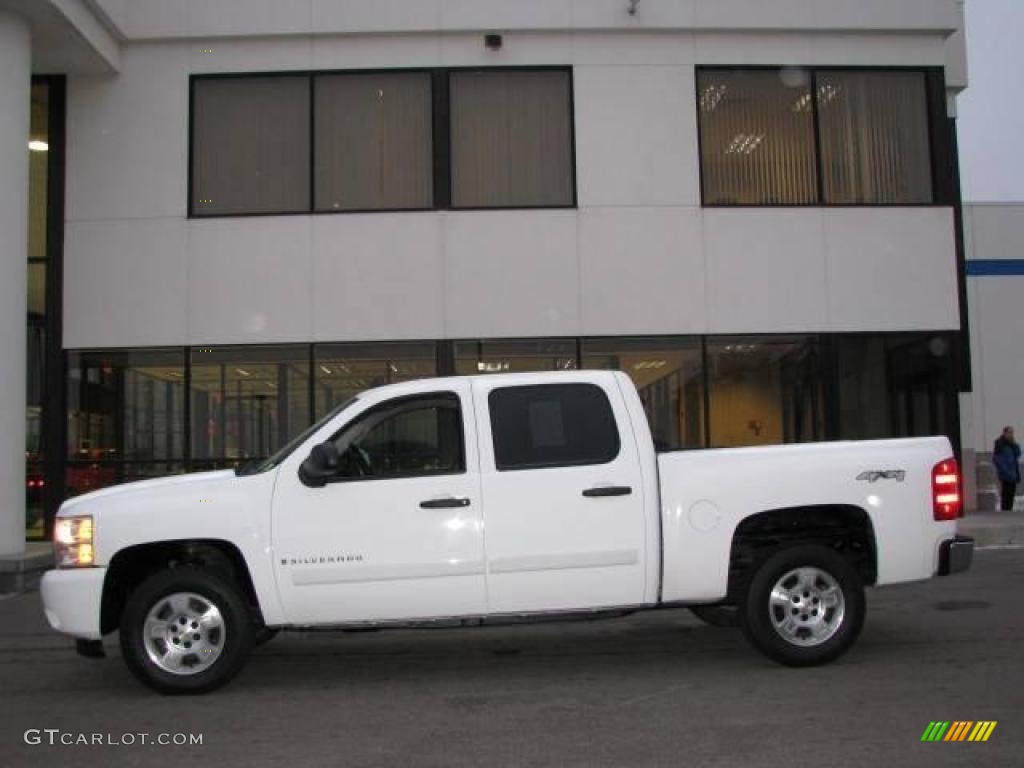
653	689
994	529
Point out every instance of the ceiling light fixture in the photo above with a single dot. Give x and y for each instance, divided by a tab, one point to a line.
712	95
744	143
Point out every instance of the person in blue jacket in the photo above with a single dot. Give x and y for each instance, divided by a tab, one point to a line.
1006	457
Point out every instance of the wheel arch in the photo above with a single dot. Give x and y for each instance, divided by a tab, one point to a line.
133	564
845	528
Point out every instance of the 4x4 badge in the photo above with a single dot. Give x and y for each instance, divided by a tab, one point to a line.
874	475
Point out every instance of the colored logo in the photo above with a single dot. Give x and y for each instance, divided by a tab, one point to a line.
959	730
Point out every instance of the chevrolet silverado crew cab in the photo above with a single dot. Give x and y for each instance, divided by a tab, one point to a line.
486	498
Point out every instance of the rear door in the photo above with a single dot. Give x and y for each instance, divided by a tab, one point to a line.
561	480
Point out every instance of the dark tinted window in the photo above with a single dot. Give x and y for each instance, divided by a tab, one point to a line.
373	141
250	145
402	438
873	132
511	138
551	425
769	136
757	137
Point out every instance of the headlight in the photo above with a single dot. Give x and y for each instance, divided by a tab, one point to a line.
72	542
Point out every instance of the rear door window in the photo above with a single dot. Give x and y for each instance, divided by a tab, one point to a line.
552	425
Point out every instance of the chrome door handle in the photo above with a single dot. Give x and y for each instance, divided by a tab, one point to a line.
447	503
607	490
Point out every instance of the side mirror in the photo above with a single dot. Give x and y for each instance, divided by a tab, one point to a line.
321	464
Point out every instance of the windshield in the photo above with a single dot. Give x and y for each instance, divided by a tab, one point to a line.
255	466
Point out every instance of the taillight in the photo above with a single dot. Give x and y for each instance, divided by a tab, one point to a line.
947	501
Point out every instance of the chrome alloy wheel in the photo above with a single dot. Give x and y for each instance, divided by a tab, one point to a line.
183	633
807	606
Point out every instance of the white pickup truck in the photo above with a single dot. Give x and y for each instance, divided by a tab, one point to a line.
486	498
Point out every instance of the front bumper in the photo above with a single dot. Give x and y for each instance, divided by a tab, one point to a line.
955	555
71	600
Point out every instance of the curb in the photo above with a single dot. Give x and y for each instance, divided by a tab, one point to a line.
22	573
994	529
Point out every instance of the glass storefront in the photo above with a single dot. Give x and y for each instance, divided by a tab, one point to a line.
126	417
668	374
514	356
896	384
247	401
343	370
764	390
140	413
37	330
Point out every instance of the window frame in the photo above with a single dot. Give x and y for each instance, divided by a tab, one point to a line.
942	194
398	403
440	121
499	467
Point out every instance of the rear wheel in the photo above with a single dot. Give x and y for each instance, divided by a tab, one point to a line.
804	606
186	630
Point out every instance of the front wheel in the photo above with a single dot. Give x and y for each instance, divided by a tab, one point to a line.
804	606
186	630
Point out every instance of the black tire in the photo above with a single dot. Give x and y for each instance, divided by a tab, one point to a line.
798	642
236	634
717	615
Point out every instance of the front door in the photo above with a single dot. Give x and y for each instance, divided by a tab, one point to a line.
564	498
397	533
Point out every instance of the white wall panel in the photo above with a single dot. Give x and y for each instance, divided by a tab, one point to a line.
995	231
364	16
877	51
377	276
1000	325
163	18
216	18
891	269
497	15
763	48
518	49
641	271
996	321
249	280
154	18
612	14
636	136
261	54
376	52
648	48
744	14
923	15
511	273
640	256
127	146
766	270
125	283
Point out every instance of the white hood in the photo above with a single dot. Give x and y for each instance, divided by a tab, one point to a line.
140	486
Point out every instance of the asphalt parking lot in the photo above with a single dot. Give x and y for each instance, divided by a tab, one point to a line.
657	688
